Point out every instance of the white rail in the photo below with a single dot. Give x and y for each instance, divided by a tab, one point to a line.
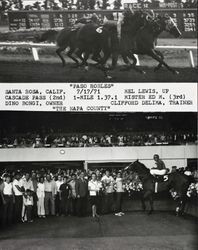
35	46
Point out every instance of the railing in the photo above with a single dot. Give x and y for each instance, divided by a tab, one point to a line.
34	47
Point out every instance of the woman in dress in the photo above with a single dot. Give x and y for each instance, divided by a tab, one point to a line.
94	187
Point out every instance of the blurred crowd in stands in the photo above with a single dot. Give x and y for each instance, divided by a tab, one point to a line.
52	139
13	5
28	195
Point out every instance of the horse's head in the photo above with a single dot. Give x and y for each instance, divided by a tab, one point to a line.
169	25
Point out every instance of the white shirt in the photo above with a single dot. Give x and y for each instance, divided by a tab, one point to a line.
7	190
94	187
28	184
40	190
48	186
119	187
108	182
28	201
72	184
58	184
15	189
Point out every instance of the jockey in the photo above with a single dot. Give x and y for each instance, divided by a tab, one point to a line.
85	20
93	19
151	14
119	22
160	168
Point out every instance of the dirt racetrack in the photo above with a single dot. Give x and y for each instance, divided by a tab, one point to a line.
17	65
134	231
26	71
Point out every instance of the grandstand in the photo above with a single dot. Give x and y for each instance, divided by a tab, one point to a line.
86	140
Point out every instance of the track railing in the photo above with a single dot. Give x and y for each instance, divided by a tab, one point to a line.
35	46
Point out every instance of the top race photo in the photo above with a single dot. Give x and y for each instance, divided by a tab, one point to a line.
104	40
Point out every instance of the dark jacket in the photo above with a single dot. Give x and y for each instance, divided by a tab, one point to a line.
81	187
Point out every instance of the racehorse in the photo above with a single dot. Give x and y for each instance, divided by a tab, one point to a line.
145	41
93	37
177	181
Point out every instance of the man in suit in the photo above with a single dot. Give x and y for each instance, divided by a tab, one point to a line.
81	194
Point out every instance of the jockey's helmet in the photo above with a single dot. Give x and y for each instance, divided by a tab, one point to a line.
94	18
156	157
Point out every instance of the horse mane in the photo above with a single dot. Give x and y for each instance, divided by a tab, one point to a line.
143	167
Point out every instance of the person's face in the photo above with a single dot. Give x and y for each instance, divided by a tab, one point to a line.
8	179
156	158
107	173
18	176
97	172
93	177
119	175
28	193
27	177
48	177
73	177
41	180
65	180
59	178
82	175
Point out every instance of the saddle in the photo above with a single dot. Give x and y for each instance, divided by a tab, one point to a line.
159	179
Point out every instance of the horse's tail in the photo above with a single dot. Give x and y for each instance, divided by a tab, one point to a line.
49	35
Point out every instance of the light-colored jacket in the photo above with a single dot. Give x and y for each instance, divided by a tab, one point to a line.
40	191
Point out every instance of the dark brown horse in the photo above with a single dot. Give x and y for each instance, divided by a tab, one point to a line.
95	38
177	181
145	41
92	38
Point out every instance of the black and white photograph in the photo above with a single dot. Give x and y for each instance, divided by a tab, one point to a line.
104	40
98	180
98	125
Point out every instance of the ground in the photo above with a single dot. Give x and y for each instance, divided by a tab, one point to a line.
134	231
20	67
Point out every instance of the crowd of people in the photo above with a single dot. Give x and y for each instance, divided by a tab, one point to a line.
13	5
38	140
27	195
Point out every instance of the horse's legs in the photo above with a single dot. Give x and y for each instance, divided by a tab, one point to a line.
96	55
148	195
154	55
103	61
128	65
85	58
143	202
58	52
131	55
151	204
181	206
160	64
69	54
78	53
178	207
114	59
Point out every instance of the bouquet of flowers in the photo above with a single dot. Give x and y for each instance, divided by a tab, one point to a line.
133	186
192	190
174	194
